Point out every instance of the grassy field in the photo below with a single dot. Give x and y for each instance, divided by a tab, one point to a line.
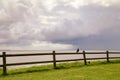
99	70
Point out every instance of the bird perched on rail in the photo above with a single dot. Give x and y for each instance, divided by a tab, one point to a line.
77	50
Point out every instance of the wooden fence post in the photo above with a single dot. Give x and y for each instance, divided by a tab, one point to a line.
54	60
4	63
107	54
84	56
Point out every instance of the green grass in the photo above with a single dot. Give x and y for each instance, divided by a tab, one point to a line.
99	70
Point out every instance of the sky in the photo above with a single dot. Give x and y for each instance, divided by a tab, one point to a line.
59	24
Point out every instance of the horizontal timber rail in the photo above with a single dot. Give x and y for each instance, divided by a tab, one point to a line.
25	63
36	54
54	61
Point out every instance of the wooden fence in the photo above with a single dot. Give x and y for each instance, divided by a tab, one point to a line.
54	61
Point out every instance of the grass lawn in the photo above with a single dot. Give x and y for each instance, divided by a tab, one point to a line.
99	70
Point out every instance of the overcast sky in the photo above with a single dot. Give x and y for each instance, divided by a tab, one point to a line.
60	24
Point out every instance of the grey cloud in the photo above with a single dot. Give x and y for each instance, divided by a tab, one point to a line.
97	28
23	22
101	42
93	20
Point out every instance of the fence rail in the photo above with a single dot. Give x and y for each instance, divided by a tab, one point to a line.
54	61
